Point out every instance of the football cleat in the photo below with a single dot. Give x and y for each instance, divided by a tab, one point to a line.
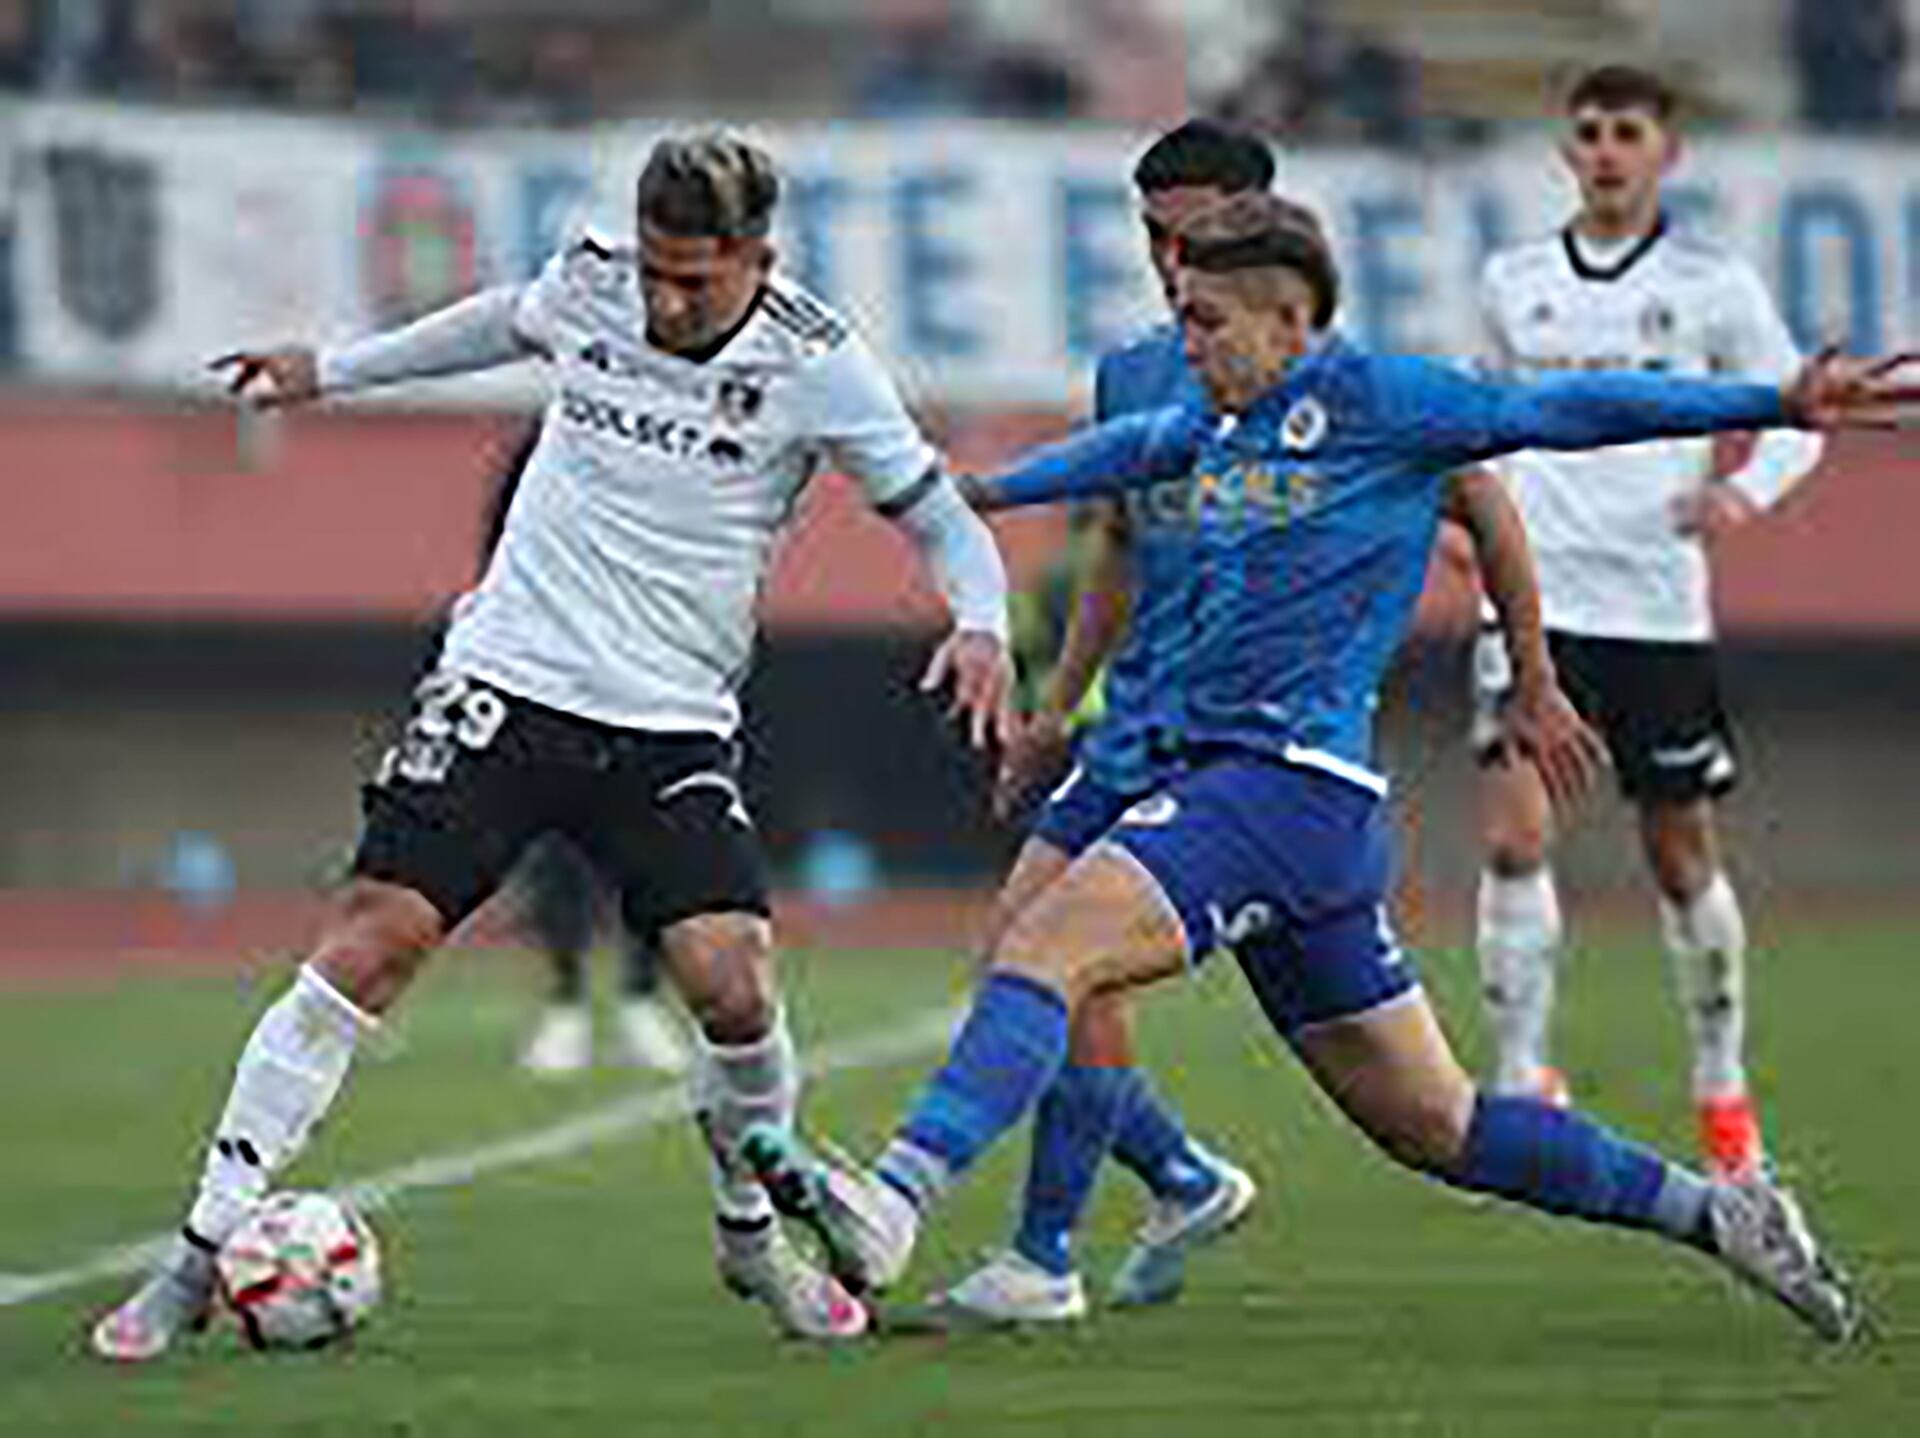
1760	1234
1008	1291
1155	1268
1730	1138
866	1228
761	1265
176	1298
563	1044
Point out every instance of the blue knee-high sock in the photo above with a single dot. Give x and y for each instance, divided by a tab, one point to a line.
1004	1057
1547	1158
1072	1129
1151	1141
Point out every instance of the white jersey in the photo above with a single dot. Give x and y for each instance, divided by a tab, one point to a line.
625	585
1611	558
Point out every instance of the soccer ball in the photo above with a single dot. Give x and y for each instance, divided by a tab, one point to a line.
301	1272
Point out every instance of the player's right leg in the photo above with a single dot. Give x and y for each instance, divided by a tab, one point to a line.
455	801
669	829
1104	925
289	1073
1100	1103
1517	913
1392	1072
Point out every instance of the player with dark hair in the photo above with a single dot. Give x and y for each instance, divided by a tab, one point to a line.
589	683
1318	474
1101	1102
1621	538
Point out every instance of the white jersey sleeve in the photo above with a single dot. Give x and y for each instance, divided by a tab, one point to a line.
1751	341
588	263
864	425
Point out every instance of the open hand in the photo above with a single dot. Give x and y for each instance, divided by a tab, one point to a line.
981	672
1546	727
1713	511
272	379
1836	391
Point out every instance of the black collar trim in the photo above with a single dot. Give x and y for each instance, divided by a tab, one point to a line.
1607	274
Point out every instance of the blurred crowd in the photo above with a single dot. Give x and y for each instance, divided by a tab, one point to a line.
1304	69
573	60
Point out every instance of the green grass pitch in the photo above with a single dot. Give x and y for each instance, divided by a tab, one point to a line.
577	1294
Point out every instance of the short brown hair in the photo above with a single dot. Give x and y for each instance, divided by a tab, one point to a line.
1262	231
710	185
1624	87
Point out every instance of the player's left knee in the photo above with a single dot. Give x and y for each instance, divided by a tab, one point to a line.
1427	1134
1681	850
723	967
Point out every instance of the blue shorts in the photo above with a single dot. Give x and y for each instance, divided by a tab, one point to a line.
1289	867
1080	811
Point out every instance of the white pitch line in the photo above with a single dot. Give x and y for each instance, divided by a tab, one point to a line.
916	1034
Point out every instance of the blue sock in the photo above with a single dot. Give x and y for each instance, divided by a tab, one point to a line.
1004	1057
1072	1129
1152	1142
1547	1158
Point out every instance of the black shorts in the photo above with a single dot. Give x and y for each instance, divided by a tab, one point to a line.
478	775
1656	704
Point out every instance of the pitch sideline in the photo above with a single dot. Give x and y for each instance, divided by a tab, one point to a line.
874	1048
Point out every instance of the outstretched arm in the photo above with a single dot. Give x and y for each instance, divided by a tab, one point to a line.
1454	420
1106	460
475	333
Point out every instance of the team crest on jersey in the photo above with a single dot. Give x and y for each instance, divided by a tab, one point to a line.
1657	322
1541	313
1305	425
739	400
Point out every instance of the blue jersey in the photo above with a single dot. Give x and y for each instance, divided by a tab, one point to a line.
1149	374
1291	542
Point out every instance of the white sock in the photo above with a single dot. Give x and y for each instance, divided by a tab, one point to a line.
1707	948
286	1079
735	1085
1519	938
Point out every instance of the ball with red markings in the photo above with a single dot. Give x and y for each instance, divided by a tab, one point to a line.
303	1271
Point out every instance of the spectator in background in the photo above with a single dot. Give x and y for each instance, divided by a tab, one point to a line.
20	31
930	59
921	63
1325	85
1851	55
560	80
411	52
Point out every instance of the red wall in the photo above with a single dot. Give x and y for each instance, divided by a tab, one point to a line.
113	508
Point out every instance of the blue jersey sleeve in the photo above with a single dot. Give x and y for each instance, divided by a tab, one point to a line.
1127	453
1103	387
1447	418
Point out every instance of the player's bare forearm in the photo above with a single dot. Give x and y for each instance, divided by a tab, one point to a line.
1479	503
1097	618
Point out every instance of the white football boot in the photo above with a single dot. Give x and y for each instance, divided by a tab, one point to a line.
1760	1234
763	1266
562	1044
1010	1290
176	1298
651	1038
1155	1268
866	1227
